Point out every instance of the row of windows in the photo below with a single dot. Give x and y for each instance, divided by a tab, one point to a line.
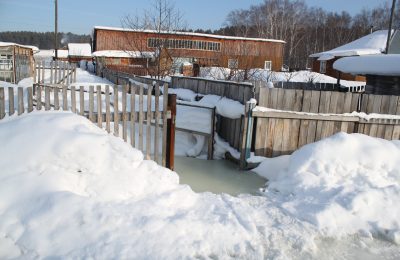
234	64
184	44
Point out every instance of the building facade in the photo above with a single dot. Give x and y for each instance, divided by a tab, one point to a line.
178	49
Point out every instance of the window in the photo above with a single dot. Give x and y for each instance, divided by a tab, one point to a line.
184	44
233	63
268	65
322	66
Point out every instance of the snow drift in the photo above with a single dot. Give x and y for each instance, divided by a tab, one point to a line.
345	184
70	190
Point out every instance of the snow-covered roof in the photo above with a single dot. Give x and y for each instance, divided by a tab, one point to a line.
79	49
190	34
374	43
381	64
34	48
123	54
61	53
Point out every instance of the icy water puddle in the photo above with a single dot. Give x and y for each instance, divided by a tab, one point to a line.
217	176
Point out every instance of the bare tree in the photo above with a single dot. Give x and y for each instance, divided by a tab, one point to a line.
306	30
163	19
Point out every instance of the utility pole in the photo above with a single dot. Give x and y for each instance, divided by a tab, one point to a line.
390	27
55	31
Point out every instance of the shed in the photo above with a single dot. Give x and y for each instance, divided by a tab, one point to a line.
374	43
16	61
79	51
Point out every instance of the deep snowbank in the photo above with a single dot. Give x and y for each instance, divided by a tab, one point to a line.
70	190
344	184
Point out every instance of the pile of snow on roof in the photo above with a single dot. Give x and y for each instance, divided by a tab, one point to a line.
381	64
79	49
373	43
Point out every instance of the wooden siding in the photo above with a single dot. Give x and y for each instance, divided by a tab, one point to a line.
282	131
250	54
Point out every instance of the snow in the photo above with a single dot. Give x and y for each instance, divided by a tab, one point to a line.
189	34
345	184
34	48
61	54
360	115
183	94
79	49
83	193
277	77
224	106
383	65
374	43
123	54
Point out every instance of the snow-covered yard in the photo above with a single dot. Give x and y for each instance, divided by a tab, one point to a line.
69	189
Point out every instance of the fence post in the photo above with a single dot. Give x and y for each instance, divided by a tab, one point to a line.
2	103
210	155
171	131
247	133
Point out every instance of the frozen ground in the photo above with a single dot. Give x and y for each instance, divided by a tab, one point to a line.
217	176
70	190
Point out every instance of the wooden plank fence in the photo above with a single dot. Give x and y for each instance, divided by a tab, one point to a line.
118	77
61	72
104	108
287	119
320	86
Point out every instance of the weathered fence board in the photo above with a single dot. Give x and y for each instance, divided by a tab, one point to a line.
91	106
283	133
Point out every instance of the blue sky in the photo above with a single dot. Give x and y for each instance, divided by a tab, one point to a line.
79	16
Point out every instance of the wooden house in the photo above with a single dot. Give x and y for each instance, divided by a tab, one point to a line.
16	61
374	43
79	51
184	47
382	72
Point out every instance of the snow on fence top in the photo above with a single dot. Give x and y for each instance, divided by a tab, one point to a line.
374	43
123	54
189	34
79	49
383	65
34	48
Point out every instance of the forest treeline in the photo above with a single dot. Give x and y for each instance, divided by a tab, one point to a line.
43	40
305	29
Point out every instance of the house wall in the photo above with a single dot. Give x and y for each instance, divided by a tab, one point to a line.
249	53
330	71
383	85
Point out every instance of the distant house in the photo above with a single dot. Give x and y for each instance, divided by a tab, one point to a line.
62	54
16	61
381	71
74	52
374	43
182	48
79	51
